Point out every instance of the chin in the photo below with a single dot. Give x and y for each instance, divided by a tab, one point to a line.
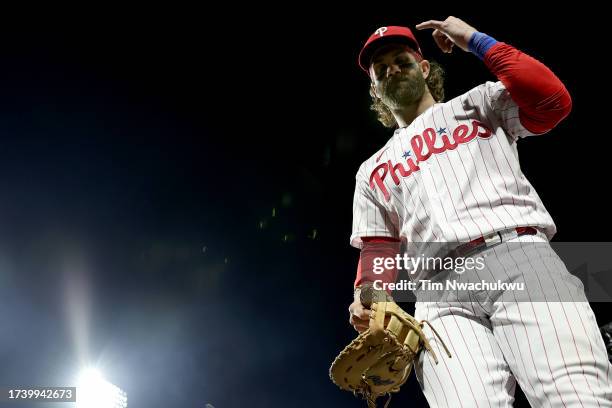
400	103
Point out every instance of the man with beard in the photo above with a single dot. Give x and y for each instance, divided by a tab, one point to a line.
450	174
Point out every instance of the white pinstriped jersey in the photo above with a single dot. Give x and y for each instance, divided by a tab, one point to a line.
452	175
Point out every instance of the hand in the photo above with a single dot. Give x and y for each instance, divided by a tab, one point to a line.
360	316
449	32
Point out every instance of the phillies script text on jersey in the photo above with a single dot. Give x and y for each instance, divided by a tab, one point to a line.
423	146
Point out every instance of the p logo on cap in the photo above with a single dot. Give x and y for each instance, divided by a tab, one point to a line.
381	31
386	35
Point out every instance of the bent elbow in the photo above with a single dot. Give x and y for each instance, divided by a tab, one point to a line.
547	114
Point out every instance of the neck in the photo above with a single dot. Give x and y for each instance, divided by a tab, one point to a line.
405	116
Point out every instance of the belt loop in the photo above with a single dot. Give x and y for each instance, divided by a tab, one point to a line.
509	234
493	239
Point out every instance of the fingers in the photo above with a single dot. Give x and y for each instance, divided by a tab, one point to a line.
356	309
442	41
430	24
359	316
437	36
359	324
456	31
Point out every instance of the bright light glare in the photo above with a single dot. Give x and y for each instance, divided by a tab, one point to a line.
93	391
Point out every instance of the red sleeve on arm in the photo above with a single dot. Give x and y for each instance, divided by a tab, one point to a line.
384	247
542	98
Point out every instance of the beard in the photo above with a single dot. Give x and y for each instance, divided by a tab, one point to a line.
403	90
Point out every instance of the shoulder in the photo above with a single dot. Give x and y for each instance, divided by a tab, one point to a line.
484	96
488	89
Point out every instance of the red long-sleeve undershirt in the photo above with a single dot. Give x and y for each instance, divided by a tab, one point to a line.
543	102
542	98
383	247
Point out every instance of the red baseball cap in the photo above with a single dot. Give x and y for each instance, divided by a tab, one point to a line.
386	35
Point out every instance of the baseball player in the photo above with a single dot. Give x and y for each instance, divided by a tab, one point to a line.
450	173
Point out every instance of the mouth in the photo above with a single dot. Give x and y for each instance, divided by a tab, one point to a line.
396	84
398	80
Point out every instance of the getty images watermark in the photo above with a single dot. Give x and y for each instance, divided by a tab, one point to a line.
538	271
458	265
413	264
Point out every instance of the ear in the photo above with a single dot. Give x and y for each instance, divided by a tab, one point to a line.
425	68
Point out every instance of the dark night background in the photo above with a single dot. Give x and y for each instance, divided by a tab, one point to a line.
177	191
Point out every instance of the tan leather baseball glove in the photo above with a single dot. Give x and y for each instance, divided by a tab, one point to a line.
380	359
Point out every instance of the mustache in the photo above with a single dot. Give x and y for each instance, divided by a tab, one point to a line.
394	80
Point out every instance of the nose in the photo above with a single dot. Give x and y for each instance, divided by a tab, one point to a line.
393	69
